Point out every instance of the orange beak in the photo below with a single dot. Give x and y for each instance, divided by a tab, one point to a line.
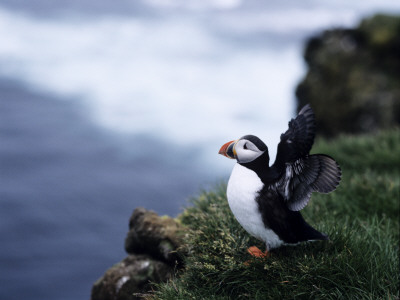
228	150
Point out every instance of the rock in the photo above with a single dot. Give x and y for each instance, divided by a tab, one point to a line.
353	77
130	277
152	242
154	235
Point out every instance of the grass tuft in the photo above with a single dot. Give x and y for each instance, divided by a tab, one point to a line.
360	261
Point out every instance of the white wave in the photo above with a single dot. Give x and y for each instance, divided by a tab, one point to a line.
172	77
169	78
195	4
295	20
358	6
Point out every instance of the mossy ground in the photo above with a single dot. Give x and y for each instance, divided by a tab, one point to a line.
360	261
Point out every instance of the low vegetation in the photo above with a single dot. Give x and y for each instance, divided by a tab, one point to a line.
360	261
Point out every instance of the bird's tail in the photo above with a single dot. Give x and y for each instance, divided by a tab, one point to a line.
309	233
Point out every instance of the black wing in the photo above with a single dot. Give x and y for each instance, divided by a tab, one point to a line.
313	173
297	141
301	173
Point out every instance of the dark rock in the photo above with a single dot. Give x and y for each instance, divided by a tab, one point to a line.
130	277
152	243
154	235
353	79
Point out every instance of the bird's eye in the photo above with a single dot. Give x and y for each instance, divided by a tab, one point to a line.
245	146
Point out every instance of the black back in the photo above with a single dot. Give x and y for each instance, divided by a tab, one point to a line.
288	225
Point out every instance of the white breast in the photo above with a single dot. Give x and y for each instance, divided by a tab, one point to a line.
243	187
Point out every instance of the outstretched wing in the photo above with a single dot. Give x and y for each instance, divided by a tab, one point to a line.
297	141
301	173
314	173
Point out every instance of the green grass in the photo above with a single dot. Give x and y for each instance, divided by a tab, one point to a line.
360	261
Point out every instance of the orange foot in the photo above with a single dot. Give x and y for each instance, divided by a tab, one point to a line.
255	252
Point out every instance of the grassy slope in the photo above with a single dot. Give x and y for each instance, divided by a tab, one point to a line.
359	262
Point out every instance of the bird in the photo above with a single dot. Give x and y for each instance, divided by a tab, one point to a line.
266	199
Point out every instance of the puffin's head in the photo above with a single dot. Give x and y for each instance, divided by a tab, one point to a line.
245	150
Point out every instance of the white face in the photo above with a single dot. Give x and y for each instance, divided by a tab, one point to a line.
246	151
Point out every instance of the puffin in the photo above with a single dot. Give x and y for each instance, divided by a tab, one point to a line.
266	199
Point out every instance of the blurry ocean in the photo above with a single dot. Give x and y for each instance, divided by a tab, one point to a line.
110	105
